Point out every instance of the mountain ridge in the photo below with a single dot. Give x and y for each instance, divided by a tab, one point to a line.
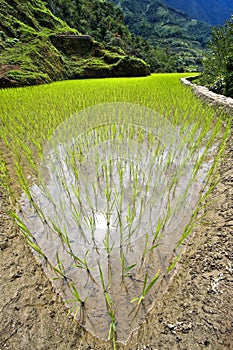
214	12
162	26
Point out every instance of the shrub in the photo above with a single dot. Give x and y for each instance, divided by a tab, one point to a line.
217	74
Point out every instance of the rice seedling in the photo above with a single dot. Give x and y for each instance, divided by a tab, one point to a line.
112	333
60	270
81	304
114	175
83	264
146	288
105	289
125	270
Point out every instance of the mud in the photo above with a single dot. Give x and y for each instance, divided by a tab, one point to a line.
195	313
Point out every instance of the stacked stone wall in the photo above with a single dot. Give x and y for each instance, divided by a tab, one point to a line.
226	103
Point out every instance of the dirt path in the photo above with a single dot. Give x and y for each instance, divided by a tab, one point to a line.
195	313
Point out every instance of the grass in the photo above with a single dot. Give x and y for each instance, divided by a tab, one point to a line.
160	136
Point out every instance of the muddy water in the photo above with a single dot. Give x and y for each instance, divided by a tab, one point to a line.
115	198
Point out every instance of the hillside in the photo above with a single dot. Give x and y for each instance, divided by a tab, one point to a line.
214	12
166	39
37	47
100	19
182	39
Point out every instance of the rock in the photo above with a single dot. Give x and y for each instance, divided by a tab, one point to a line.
71	44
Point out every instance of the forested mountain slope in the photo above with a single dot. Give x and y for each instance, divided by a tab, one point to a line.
101	19
182	38
166	39
214	12
36	47
41	40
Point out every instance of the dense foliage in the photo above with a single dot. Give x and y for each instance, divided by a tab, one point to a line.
166	39
34	49
218	65
100	19
177	40
27	55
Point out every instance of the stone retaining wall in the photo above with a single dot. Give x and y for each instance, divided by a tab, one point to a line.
226	103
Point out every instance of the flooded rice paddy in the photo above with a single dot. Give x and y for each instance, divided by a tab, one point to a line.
118	186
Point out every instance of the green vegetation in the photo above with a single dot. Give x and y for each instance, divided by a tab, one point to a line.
100	19
166	39
169	40
38	47
74	135
26	51
41	42
146	288
218	65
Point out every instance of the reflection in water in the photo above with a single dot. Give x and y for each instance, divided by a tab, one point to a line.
118	196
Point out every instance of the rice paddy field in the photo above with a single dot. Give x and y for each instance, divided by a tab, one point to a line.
108	180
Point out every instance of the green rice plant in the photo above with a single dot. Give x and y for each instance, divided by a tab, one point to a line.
63	235
145	251
108	248
83	264
29	237
122	164
3	173
108	300
158	230
91	223
81	304
126	271
107	244
112	333
146	288
4	177
23	182
77	193
130	218
36	248
173	263
60	270
121	228
220	151
21	225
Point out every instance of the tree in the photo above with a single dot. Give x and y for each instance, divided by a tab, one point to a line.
218	64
